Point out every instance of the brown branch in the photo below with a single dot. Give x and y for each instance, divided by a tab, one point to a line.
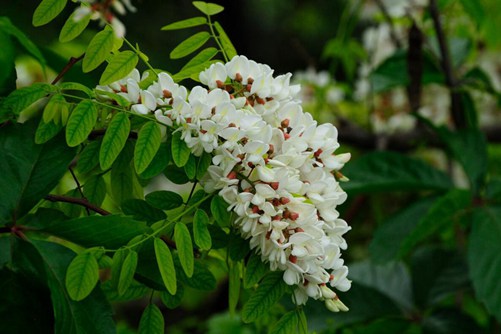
457	112
66	68
78	201
79	187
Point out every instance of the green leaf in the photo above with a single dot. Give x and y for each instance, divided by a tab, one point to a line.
208	8
164	199
203	164
201	58
238	247
142	210
147	145
114	140
172	301
116	267
441	215
73	28
202	278
184	247
134	292
22	98
188	23
7	63
159	162
180	151
56	109
228	47
191	44
95	189
176	175
82	276
46	131
484	261
81	122
475	10
98	50
190	168
152	321
76	87
254	270
120	100
90	315
120	65
89	157
200	231
302	322
29	171
127	272
265	297
288	323
111	231
449	320
389	171
389	237
165	265
47	10
234	285
219	209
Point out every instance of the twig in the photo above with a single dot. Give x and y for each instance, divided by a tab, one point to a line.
79	187
66	68
456	110
388	19
78	201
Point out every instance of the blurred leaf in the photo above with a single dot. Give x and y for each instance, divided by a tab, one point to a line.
147	145
384	325
29	171
188	23
202	278
166	265
76	87
493	190
254	270
152	321
190	45
449	321
392	280
46	131
477	78
475	10
268	293
90	315
228	47
81	122
389	171
234	282
483	257
120	65
114	140
208	8
119	99
7	57
98	50
142	210
82	276
184	247
441	215
111	231
218	208
127	272
238	247
22	98
172	301
389	236
437	273
159	162
47	10
201	233
72	28
164	199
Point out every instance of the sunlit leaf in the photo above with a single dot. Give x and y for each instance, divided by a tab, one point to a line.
188	23
98	50
165	265
82	275
180	151
120	65
200	231
191	44
147	145
73	28
228	47
208	8
81	122
184	247
47	10
114	140
127	272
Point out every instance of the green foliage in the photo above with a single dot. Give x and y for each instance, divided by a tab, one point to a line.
152	320
98	50
184	247
147	145
121	64
47	10
201	234
180	151
73	28
165	265
208	8
127	272
190	45
82	275
114	140
188	23
81	122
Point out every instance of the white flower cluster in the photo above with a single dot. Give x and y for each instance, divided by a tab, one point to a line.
104	12
272	163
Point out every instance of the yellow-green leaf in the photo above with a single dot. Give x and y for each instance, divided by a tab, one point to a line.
147	145
95	189
81	122
46	131
82	276
127	272
73	28
165	265
188	23
180	151
114	140
47	10
191	44
200	231
208	8
228	47
98	50
120	65
184	247
55	108
152	321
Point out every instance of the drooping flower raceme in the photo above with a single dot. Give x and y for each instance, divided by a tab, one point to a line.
271	162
